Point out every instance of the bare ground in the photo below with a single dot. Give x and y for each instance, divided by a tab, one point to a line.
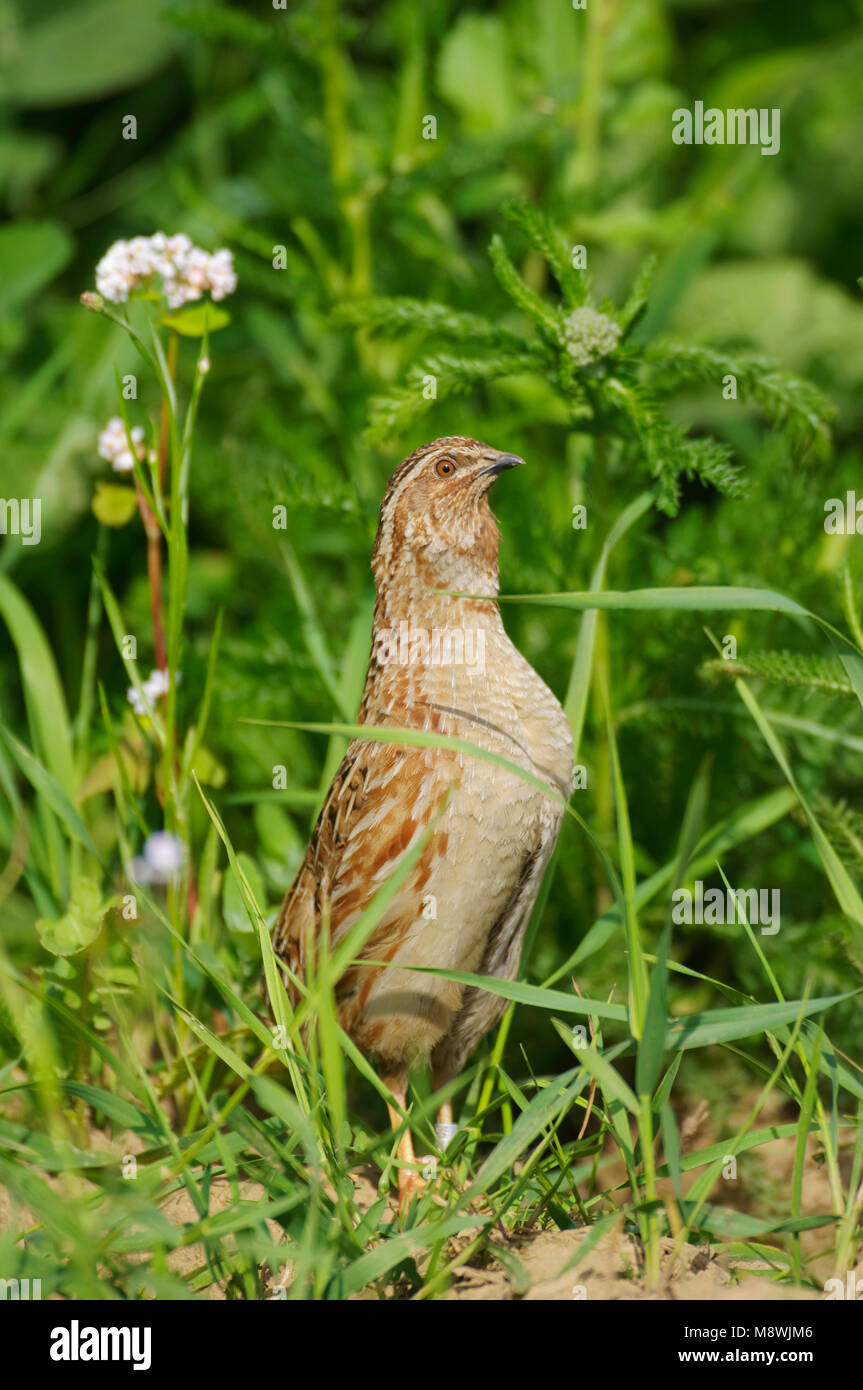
544	1264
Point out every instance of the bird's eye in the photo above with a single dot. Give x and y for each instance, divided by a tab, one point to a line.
444	468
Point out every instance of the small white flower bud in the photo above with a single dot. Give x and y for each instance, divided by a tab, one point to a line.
588	335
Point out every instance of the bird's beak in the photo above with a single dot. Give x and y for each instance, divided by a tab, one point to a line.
500	465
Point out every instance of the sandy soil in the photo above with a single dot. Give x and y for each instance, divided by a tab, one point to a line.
613	1270
545	1264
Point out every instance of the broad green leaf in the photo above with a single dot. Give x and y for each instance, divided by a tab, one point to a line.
413	738
80	924
113	504
85	51
275	987
197	319
207	768
475	72
234	908
31	255
753	1140
276	832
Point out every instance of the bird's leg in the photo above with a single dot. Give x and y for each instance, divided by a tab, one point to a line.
445	1126
410	1180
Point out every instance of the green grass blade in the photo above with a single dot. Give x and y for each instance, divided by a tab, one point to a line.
575	702
43	692
726	1025
48	787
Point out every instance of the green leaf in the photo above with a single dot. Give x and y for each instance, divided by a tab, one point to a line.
207	768
843	885
79	926
276	831
113	505
528	994
84	51
638	985
610	1081
121	1111
671	1143
695	599
31	254
197	319
42	782
575	703
725	1025
475	72
381	1258
43	692
652	1044
703	599
543	1109
233	903
413	738
275	986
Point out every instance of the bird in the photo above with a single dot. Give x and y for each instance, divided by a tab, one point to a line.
440	661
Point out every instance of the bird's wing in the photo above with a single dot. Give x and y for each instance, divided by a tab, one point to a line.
381	801
480	1009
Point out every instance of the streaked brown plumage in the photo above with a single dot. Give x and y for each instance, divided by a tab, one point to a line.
466	903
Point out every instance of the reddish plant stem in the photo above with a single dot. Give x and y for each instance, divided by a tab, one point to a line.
151	525
154	576
154	570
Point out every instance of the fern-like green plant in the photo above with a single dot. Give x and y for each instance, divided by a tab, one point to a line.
613	385
792	669
844	828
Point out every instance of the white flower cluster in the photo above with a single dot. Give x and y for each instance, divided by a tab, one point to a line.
114	445
154	687
161	861
186	271
589	335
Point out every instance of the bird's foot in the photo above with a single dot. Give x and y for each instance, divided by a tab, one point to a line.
411	1184
421	1177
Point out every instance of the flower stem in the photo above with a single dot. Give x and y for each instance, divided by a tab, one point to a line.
165	419
154	576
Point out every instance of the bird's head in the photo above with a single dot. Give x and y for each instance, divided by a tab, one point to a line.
436	527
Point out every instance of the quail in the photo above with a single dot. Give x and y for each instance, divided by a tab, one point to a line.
441	661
